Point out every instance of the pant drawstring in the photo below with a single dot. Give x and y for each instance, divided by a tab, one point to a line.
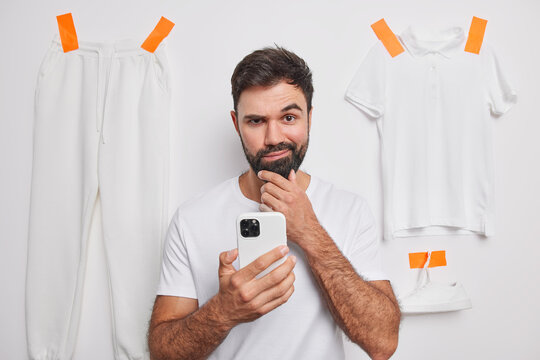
106	92
98	89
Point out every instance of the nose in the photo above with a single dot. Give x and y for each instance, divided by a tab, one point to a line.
273	134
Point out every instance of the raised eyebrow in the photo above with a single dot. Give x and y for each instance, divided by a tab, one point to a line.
292	106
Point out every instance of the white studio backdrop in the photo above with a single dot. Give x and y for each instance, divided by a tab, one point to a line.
501	274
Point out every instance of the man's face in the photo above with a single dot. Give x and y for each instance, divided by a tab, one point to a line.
273	124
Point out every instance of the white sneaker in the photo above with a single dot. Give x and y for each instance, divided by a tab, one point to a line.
429	297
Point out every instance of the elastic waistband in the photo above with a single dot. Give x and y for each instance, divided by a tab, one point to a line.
127	47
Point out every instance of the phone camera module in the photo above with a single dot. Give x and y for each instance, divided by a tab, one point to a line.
250	228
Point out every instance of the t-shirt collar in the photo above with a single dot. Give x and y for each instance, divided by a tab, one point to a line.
420	42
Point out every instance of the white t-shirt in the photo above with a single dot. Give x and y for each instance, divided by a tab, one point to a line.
302	328
432	106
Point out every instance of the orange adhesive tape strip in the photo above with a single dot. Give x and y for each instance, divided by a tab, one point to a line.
476	35
417	260
68	35
162	29
387	37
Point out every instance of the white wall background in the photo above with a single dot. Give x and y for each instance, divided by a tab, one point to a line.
501	273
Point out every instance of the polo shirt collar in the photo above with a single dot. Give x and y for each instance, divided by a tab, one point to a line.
445	42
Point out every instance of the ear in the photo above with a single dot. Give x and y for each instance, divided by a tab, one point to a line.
235	121
309	118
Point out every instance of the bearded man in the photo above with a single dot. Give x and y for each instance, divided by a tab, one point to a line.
332	278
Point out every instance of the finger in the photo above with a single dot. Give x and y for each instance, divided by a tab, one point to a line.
268	282
275	179
260	264
271	201
265	208
226	259
277	275
292	176
274	292
274	190
271	305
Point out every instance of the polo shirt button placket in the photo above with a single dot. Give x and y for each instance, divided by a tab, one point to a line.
435	68
433	127
432	71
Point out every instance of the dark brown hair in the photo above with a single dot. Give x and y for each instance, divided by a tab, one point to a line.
269	66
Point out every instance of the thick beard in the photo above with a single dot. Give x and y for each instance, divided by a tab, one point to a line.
281	166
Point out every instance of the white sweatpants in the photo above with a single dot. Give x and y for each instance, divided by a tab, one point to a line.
101	123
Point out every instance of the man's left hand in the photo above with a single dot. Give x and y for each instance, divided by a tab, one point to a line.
287	197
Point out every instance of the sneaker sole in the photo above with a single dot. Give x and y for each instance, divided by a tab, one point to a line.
433	308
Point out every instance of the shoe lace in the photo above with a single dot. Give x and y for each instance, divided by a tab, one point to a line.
426	279
423	279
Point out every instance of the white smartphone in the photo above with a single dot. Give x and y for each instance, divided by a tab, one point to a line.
257	233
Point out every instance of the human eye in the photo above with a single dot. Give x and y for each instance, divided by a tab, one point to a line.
255	121
289	118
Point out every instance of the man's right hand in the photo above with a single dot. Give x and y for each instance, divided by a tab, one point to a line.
242	297
180	329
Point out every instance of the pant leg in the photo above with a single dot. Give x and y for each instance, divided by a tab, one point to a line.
133	176
63	193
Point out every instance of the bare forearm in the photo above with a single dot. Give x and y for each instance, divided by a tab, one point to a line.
193	337
368	316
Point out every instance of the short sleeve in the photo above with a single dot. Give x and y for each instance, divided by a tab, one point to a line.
367	88
176	277
500	95
364	252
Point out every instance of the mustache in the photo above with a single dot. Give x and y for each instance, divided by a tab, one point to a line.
274	148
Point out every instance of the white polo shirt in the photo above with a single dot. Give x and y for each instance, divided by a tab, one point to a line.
433	106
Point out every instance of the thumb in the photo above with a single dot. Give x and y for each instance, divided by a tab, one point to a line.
226	259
